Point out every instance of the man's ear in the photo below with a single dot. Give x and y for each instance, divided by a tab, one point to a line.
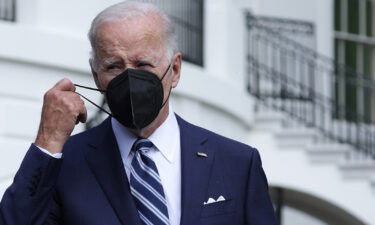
176	69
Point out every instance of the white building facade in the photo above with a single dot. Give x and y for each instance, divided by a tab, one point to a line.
250	79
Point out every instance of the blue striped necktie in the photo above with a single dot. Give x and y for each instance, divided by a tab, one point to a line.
146	187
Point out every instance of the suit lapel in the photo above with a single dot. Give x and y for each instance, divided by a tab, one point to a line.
106	164
195	172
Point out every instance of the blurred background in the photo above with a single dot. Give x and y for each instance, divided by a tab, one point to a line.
293	78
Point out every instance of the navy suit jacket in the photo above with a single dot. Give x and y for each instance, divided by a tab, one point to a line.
89	185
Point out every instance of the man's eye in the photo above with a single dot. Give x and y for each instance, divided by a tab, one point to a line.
143	64
113	67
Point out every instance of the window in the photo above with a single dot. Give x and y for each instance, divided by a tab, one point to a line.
354	47
7	10
188	18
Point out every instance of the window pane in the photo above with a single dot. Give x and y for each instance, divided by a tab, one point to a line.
367	91
367	60
368	105
353	16
369	22
336	81
351	54
337	15
351	90
7	10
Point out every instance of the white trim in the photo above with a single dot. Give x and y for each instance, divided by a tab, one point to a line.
361	39
360	68
344	16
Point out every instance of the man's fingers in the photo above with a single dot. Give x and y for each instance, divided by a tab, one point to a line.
82	117
73	105
62	107
67	88
65	85
81	109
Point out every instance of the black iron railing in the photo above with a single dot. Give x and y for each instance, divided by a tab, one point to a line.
8	10
188	18
284	25
311	88
299	31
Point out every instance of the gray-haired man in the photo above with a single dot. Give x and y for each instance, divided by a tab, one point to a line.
144	164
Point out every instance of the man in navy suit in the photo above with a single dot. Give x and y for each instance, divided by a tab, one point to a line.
90	178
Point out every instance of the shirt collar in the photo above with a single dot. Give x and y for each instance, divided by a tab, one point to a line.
165	138
125	139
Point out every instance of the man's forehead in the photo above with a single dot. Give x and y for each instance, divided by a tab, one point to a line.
145	26
138	41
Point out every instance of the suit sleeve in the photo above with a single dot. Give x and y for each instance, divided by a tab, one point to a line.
259	206
31	198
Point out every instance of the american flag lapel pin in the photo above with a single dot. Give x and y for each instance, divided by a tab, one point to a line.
201	154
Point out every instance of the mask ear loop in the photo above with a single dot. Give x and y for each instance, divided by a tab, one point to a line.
94	89
170	90
90	88
166	72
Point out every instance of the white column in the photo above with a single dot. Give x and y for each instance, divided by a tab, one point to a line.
225	34
324	27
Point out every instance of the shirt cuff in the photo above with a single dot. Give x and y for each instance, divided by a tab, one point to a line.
55	155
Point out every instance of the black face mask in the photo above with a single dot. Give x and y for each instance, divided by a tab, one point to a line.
134	97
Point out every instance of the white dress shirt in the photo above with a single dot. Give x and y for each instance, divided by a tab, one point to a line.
166	154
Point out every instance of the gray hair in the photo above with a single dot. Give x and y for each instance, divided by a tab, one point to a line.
128	10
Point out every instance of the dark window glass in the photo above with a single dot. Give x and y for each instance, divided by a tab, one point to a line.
368	95
369	22
336	81
351	54
7	10
337	15
367	55
353	16
351	90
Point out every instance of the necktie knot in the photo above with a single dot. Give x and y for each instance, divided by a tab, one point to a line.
142	145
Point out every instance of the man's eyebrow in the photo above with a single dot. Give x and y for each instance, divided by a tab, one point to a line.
110	61
147	60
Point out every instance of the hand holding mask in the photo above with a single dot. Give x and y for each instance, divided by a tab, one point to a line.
62	110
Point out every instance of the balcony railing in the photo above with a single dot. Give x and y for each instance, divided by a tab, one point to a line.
287	76
8	10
